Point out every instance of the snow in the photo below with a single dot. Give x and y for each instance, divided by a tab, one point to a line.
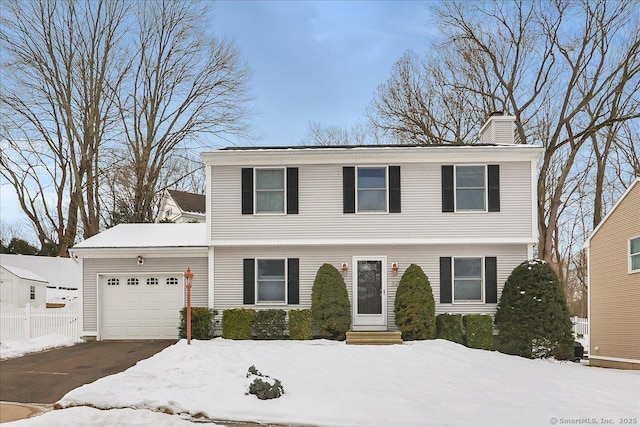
330	383
10	349
148	235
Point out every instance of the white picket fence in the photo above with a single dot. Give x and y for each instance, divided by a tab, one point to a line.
580	326
17	324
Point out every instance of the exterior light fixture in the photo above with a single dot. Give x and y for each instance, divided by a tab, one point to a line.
394	267
345	267
188	275
140	260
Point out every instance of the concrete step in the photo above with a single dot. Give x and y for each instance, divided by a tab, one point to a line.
374	337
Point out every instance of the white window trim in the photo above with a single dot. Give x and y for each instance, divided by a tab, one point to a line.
629	254
455	190
286	281
386	180
482	279
255	191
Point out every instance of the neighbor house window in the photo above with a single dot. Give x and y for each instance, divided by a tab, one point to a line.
470	187
32	292
271	281
132	281
270	190
634	254
372	189
172	281
152	281
467	280
113	281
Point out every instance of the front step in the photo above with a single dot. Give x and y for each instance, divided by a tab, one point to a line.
374	337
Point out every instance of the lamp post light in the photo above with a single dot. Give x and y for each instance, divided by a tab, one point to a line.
188	275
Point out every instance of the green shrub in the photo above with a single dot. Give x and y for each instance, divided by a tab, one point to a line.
263	389
330	306
237	322
478	331
300	324
532	315
449	327
414	306
269	324
201	323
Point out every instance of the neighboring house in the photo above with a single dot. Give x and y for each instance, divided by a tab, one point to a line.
614	285
19	287
180	206
465	213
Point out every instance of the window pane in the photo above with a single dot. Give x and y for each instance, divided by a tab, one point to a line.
470	176
635	246
470	199
468	290
372	178
270	201
270	268
271	280
635	262
270	179
467	268
372	200
270	291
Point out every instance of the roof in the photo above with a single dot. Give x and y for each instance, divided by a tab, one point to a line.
158	235
349	147
635	182
23	274
189	202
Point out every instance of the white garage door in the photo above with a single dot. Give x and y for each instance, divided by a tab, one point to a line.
141	306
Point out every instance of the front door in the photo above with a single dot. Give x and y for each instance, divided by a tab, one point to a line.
369	293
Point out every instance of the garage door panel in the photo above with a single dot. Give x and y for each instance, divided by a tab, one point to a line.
149	310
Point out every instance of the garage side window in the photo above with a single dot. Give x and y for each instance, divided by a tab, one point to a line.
113	281
172	281
133	281
32	292
152	281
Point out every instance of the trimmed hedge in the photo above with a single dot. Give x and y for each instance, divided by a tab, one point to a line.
269	324
449	327
414	306
201	323
478	331
237	323
330	305
300	324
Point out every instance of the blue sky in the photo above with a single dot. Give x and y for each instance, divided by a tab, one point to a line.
310	61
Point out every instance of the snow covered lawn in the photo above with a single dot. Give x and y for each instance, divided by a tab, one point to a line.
10	349
428	383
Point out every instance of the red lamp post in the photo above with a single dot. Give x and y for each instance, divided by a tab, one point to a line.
188	275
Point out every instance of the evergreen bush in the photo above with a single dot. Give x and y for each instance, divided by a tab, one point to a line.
300	324
237	323
330	306
201	323
269	324
478	331
414	306
449	327
532	315
263	386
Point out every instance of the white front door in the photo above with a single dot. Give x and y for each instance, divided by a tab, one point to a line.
369	293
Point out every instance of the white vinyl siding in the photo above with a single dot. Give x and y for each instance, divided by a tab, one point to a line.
321	209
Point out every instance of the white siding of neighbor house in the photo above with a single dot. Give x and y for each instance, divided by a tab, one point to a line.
169	204
321	208
228	286
92	267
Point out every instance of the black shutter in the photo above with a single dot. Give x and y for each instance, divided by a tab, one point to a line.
445	280
293	286
247	191
490	280
447	188
493	178
292	190
394	189
249	277
349	189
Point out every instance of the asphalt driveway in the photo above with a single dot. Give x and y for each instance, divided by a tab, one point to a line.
46	377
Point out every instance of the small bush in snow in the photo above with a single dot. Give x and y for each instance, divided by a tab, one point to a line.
263	386
237	323
478	331
414	306
300	324
330	305
532	315
269	324
201	323
449	327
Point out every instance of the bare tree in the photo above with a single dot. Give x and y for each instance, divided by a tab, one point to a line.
61	67
186	84
319	134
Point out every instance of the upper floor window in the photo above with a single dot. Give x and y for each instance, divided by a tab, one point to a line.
470	188
372	189
270	190
634	254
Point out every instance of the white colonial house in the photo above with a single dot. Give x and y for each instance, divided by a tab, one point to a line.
181	206
466	214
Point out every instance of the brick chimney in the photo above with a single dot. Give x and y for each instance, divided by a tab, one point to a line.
499	129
